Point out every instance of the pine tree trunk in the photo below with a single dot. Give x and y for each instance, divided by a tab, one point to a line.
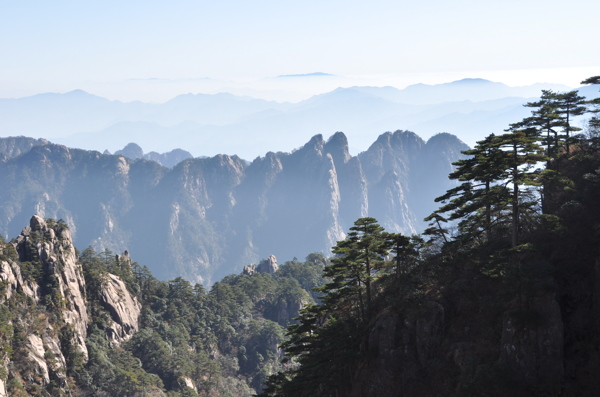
515	207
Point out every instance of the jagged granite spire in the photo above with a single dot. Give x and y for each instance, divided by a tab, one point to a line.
208	217
43	281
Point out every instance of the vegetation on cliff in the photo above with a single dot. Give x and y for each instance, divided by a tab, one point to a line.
499	296
501	299
140	336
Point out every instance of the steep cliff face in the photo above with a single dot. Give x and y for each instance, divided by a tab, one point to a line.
45	290
405	174
403	346
11	276
388	164
198	196
352	183
53	252
467	342
302	204
433	165
218	214
44	318
123	307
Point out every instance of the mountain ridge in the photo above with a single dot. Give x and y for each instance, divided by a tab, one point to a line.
218	214
208	124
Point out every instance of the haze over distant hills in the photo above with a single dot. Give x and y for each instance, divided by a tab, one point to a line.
206	124
208	217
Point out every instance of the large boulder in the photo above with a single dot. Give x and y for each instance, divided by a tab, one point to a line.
268	266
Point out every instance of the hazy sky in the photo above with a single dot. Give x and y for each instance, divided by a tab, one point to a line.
154	50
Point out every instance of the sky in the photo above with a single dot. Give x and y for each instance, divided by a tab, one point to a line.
154	50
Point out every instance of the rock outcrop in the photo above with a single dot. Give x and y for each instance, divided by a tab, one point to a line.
53	250
46	355
42	280
43	276
14	146
10	273
168	159
268	266
123	307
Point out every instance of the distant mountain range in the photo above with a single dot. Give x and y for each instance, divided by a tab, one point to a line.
208	217
170	159
224	123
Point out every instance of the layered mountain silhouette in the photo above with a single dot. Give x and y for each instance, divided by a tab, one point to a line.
206	125
169	159
208	217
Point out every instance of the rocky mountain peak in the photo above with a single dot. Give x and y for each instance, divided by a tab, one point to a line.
220	213
17	145
231	162
444	140
170	159
44	278
382	140
274	161
402	138
132	151
398	140
337	146
268	266
50	249
36	223
315	143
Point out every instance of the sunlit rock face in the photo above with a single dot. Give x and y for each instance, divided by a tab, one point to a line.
205	218
124	309
41	274
43	281
56	254
268	266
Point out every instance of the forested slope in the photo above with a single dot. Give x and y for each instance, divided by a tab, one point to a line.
98	324
498	298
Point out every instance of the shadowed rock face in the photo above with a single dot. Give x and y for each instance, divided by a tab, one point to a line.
208	217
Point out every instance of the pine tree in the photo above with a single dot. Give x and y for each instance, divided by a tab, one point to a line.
357	260
404	252
594	108
545	119
325	341
493	178
521	153
570	104
473	202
